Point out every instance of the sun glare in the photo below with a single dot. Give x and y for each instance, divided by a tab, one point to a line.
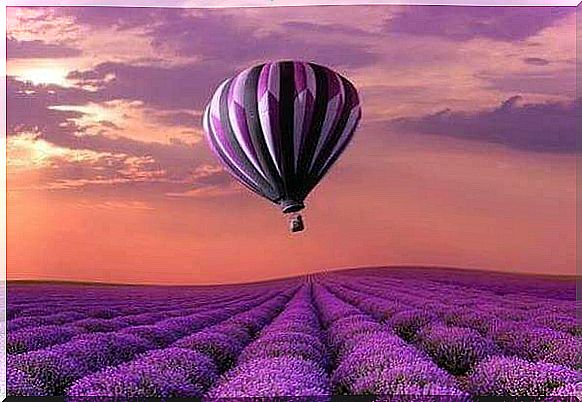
44	75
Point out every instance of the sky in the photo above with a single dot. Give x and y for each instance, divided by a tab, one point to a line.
465	156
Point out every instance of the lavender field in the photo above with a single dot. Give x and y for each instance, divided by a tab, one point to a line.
383	331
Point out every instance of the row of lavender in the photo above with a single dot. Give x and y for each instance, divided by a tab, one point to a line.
366	332
54	369
517	344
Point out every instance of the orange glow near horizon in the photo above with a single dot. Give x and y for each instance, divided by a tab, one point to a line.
109	178
381	218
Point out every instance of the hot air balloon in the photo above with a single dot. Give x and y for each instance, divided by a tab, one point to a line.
279	127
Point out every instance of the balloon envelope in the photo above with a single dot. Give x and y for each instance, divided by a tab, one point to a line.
279	127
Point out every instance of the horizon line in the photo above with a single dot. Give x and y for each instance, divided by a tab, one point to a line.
565	277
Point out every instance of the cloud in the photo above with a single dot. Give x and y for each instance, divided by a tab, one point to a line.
465	23
543	127
64	168
536	61
181	118
115	205
42	137
28	108
38	49
186	86
30	157
226	37
541	81
327	29
231	39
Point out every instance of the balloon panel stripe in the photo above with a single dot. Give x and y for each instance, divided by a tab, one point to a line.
269	111
339	149
252	91
286	118
312	136
237	118
224	159
303	108
336	137
333	114
227	154
241	161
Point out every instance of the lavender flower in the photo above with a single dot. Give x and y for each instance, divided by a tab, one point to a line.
407	323
516	377
28	339
538	344
221	347
265	348
164	373
573	390
455	349
158	336
98	325
58	366
371	356
273	377
21	384
391	379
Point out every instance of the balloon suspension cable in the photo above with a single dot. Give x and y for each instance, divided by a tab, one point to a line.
296	222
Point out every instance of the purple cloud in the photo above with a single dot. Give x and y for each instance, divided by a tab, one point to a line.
38	49
222	37
171	167
28	108
179	87
327	29
541	81
543	127
180	119
536	61
466	23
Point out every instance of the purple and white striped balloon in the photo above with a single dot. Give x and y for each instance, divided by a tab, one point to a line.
279	127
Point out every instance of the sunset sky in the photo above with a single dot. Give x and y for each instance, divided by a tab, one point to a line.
465	156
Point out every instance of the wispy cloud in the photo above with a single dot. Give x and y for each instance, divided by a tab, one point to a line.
544	127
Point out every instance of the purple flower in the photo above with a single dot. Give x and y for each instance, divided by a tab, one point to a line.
21	384
412	392
167	373
516	377
566	352
221	347
186	325
139	319
390	379
98	325
159	336
28	339
273	377
454	349
537	344
293	338
344	333
269	348
58	366
370	357
330	307
569	390
559	323
52	319
407	323
240	334
481	321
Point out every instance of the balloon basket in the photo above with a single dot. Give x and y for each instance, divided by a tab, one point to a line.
296	223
